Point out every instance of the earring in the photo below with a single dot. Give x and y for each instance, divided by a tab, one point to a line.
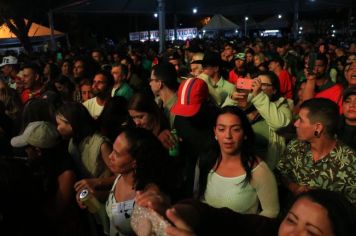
216	138
316	133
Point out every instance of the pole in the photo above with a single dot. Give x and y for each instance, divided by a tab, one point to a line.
245	28
246	19
162	24
296	18
175	22
53	41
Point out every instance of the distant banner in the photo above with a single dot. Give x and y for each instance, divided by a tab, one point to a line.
134	36
153	35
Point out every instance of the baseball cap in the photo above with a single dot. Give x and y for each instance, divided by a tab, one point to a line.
211	59
347	92
240	56
174	56
9	60
191	94
194	48
40	134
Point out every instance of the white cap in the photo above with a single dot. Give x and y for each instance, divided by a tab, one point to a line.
40	134
9	60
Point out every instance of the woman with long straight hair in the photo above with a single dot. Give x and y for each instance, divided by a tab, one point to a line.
231	175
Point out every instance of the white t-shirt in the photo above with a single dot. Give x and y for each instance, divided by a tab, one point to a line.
93	107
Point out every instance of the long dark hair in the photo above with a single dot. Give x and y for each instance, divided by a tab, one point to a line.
82	123
213	157
114	117
152	161
143	102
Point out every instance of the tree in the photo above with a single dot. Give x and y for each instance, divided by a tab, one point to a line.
20	27
18	15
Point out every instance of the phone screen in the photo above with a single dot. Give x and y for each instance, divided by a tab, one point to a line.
244	84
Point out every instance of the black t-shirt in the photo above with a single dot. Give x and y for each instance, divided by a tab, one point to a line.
347	134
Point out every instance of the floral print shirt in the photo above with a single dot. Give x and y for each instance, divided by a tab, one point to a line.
335	172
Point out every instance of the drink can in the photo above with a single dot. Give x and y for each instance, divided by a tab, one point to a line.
174	151
89	200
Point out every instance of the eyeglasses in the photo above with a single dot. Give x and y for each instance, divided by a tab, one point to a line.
266	85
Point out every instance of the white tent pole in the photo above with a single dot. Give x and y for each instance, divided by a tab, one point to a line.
53	41
162	24
175	22
296	18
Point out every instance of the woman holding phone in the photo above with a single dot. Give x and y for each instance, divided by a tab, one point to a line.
267	111
273	112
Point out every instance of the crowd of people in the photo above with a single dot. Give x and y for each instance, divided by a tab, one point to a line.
237	127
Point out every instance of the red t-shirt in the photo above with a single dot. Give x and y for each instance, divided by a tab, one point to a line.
233	77
285	83
334	93
27	94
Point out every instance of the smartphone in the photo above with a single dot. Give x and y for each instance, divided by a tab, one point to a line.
244	84
146	222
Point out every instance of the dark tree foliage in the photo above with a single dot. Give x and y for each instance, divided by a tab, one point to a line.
18	15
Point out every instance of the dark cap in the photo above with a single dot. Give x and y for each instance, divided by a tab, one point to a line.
173	56
211	59
194	48
347	92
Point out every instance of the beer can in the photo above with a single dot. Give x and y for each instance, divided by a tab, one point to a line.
89	200
174	151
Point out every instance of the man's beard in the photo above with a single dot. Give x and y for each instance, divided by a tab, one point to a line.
100	94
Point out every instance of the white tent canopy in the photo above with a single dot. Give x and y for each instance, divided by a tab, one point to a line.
219	22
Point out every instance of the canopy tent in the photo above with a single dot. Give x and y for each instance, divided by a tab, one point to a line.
274	23
37	33
269	23
36	30
219	22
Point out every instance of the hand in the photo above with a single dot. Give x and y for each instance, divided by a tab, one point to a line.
297	189
180	228
89	184
152	198
308	75
240	98
167	139
302	189
80	204
256	87
237	96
